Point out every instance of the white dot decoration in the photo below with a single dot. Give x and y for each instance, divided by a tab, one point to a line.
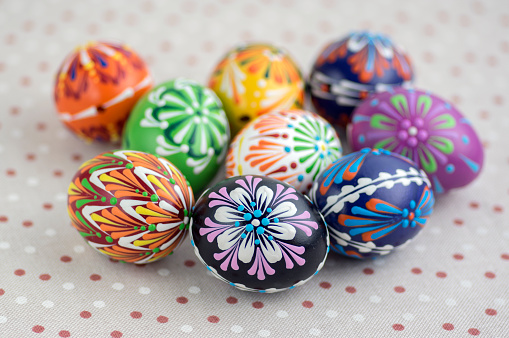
186	328
194	289
117	286
282	314
236	329
144	290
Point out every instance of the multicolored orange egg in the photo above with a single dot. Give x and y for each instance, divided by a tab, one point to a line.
255	79
130	205
96	87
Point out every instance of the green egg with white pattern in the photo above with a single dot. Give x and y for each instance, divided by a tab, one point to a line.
184	122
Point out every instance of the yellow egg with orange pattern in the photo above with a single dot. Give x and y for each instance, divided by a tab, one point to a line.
255	79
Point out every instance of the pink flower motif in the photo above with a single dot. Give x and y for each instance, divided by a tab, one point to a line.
254	224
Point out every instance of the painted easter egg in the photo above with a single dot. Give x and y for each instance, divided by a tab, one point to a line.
96	87
184	122
131	206
292	146
349	69
373	202
255	79
423	127
258	234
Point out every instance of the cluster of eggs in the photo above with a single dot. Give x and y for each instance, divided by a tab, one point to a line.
289	194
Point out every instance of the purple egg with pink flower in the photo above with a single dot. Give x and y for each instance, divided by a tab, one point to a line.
424	128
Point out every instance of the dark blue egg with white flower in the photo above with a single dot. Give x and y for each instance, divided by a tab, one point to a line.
258	234
373	202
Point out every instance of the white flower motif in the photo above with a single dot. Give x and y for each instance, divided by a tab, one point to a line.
253	224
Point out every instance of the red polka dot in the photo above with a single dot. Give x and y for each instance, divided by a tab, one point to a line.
416	271
429	30
173	19
27	224
325	285
19	272
162	319
491	312
350	289
448	326
15	110
325	26
232	300
2	292
368	271
504	45
398	327
441	274
76	157
25	81
65	259
64	333
492	61
428	57
402	17
443	17
490	275
58	173
458	257
189	7
47	206
95	277
45	277
470	57
30	156
505	256
10	39
85	314
504	19
182	300
136	314
465	21
474	332
3	219
498	209
41	126
189	263
208	46
191	60
50	29
213	319
399	289
131	19
116	334
307	304
498	99
257	305
288	36
93	28
474	205
38	329
11	172
165	46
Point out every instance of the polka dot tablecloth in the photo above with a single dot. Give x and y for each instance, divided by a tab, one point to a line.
453	280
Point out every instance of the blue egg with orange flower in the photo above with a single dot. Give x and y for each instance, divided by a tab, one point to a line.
349	69
373	201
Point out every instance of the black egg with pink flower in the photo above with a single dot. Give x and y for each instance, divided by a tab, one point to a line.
259	234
